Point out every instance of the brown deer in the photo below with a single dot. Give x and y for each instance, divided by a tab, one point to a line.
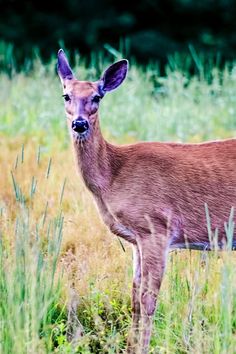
150	194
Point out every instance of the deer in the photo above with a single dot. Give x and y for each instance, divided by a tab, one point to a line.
150	194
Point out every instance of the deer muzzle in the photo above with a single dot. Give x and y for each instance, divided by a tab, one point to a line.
80	125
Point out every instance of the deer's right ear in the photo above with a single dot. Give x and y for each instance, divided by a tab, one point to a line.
63	67
114	76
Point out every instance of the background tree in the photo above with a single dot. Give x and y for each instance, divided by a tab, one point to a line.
154	28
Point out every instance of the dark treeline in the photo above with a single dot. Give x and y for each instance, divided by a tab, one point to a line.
153	28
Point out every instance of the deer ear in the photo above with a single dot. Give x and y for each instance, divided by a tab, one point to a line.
63	67
114	76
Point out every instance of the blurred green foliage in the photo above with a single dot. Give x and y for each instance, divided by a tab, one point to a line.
149	28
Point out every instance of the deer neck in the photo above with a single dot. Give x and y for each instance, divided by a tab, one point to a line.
93	160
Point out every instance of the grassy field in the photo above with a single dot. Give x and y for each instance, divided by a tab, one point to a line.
61	271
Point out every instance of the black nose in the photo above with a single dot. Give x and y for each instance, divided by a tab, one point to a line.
80	125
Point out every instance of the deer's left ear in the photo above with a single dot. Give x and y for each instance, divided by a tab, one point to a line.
114	76
63	67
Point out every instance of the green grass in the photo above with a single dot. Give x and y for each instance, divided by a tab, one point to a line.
29	291
51	239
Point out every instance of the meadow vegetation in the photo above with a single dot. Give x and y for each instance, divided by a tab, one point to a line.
62	274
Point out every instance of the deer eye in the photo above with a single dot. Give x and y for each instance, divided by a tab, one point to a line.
96	99
66	97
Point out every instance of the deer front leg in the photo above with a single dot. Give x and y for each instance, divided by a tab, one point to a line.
153	254
134	336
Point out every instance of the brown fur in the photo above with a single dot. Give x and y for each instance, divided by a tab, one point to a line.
153	195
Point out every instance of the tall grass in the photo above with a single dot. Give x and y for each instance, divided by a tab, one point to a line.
44	275
40	269
29	253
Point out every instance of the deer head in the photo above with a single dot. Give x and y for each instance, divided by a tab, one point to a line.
82	98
